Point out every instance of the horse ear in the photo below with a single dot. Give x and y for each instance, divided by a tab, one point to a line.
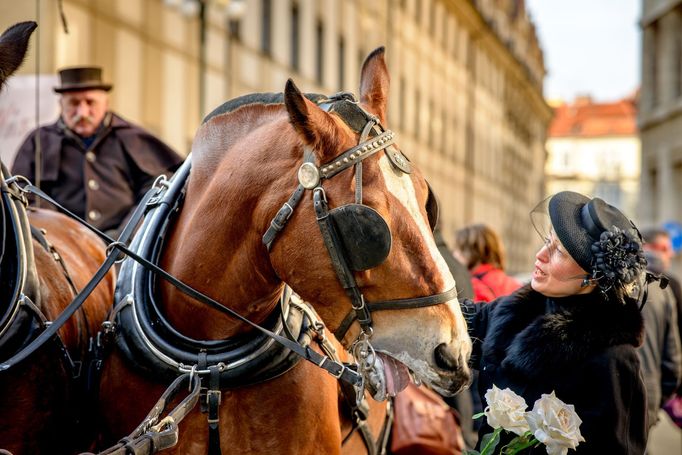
317	128
13	45
374	83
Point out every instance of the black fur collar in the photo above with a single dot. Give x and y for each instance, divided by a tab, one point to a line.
525	336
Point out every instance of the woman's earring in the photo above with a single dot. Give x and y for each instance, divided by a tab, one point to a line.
586	282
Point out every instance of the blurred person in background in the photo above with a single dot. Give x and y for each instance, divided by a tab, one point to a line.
659	242
463	401
481	250
94	163
661	353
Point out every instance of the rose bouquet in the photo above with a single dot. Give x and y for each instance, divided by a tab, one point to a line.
551	422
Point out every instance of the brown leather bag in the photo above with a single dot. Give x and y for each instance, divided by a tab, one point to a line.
424	424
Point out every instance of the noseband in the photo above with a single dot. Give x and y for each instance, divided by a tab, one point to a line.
356	237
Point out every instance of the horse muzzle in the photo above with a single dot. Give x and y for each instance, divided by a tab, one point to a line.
452	370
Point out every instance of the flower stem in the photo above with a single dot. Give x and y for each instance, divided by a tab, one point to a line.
492	442
523	445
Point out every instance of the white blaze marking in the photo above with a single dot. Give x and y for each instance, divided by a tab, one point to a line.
403	189
401	186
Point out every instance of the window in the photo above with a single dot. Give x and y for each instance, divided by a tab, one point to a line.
444	129
653	64
417	113
342	62
401	104
677	57
319	39
433	125
678	66
266	27
295	37
235	29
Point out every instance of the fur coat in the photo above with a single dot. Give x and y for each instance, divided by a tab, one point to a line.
581	347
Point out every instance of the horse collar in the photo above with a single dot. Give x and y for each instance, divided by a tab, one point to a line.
22	320
154	347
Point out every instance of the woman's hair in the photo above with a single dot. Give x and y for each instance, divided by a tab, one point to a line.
478	243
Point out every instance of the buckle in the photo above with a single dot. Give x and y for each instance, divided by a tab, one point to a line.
341	371
210	393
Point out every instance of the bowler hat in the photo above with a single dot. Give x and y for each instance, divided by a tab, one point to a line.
580	223
81	78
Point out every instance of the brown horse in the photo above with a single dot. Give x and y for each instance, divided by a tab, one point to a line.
380	250
38	273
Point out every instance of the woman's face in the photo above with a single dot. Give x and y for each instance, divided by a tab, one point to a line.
556	273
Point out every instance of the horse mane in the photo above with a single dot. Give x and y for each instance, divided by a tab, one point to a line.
231	121
255	98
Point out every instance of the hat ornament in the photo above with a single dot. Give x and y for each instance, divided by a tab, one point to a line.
617	258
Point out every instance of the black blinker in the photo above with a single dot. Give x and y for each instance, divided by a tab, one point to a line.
432	210
364	234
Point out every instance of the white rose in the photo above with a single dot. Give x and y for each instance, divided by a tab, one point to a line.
555	424
507	410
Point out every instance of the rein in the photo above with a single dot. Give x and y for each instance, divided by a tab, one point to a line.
336	369
155	433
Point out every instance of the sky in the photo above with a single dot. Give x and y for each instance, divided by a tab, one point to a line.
591	47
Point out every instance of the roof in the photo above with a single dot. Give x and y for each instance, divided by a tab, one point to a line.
585	118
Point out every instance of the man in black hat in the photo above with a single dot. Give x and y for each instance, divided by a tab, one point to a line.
92	161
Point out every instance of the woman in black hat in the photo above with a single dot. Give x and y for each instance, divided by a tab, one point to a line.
575	328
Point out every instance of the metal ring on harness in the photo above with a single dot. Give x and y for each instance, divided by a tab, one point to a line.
110	247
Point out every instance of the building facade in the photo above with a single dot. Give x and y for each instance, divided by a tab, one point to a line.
466	80
594	149
660	113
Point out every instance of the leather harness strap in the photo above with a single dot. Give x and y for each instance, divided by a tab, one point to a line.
333	244
398	304
213	399
282	216
155	433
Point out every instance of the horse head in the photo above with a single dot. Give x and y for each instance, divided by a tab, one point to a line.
381	230
13	46
352	229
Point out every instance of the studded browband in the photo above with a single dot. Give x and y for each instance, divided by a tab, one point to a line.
355	155
310	175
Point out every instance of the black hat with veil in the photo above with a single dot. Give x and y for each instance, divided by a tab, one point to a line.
598	236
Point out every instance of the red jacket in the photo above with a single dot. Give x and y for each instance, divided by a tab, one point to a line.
490	282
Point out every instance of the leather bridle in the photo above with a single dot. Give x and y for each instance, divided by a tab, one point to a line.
373	139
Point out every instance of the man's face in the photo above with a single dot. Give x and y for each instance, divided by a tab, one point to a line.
84	110
664	247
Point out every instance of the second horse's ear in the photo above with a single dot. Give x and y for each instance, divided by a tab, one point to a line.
316	127
374	83
13	45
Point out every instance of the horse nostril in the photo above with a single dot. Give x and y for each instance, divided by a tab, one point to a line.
445	358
